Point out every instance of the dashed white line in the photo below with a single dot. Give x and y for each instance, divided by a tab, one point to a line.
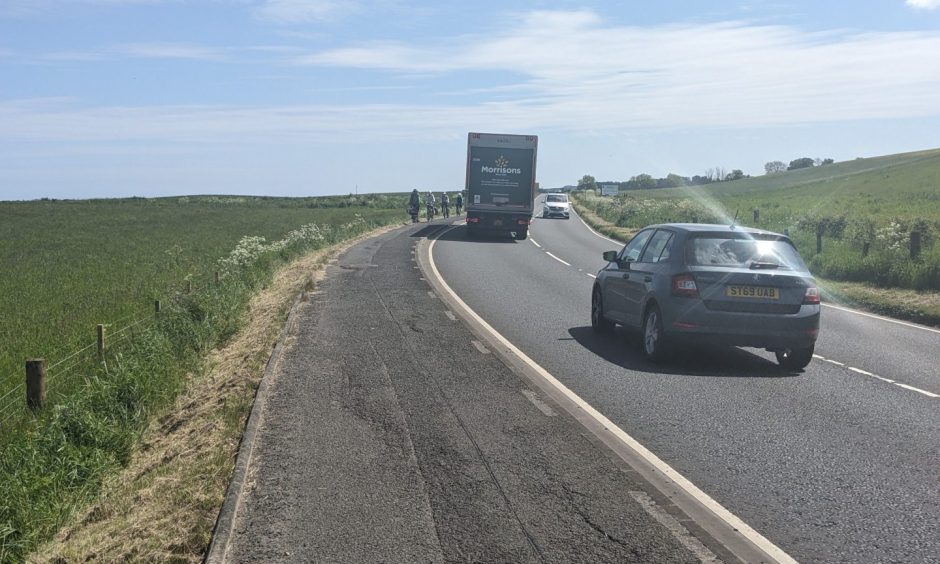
877	377
534	243
558	259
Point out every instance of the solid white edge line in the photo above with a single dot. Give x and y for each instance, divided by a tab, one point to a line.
534	243
918	390
558	259
678	479
591	229
591	275
882	318
860	371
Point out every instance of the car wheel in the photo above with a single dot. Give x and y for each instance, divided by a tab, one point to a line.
654	338
599	323
795	359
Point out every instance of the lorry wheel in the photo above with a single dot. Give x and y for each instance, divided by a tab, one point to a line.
522	234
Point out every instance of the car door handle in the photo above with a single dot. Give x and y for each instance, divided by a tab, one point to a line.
647	278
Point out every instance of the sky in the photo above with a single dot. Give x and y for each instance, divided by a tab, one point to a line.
117	98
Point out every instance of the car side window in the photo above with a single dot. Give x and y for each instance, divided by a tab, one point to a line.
631	252
658	248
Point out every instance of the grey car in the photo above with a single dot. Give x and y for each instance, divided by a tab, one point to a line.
710	284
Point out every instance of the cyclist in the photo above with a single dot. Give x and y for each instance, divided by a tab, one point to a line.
445	204
458	202
430	205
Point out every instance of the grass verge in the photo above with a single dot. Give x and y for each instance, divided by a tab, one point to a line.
163	505
910	305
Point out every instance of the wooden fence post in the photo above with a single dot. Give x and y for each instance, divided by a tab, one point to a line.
100	341
35	383
756	216
866	246
216	277
156	306
189	286
819	234
915	244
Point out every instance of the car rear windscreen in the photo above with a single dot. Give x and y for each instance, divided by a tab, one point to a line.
743	250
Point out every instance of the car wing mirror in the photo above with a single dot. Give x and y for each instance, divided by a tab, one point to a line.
610	256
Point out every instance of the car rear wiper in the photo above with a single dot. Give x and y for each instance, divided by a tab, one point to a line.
757	265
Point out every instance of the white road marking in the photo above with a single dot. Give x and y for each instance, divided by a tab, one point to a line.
678	530
534	243
450	315
591	229
432	294
541	405
480	347
591	275
678	480
836	362
558	259
860	371
918	390
882	318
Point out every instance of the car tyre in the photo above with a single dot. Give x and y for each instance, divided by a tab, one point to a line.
654	337
599	323
795	359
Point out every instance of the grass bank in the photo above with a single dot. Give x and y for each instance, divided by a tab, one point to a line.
55	462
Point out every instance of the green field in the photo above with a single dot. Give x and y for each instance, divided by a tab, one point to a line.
70	265
873	203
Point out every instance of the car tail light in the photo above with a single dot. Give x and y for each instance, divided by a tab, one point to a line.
684	285
811	296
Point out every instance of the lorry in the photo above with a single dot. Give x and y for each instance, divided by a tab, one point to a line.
500	183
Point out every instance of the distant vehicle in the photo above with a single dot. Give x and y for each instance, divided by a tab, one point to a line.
556	205
500	183
712	284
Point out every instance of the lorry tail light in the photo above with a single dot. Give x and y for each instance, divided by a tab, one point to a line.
684	285
473	220
811	296
524	221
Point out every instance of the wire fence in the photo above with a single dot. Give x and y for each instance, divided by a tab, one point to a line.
13	401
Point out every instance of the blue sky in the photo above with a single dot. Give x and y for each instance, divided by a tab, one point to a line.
109	98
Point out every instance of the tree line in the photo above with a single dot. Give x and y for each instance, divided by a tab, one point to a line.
717	174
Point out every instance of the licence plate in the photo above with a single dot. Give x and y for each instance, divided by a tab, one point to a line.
763	292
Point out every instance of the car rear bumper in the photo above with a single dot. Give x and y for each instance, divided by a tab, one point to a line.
797	330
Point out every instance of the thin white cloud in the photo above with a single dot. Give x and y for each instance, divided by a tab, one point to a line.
923	4
169	51
33	7
571	72
305	11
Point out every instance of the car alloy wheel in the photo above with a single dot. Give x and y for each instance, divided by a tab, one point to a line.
653	338
599	323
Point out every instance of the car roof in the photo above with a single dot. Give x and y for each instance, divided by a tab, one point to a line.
713	228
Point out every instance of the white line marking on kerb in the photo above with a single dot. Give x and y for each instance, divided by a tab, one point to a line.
558	259
534	243
678	530
678	479
888	319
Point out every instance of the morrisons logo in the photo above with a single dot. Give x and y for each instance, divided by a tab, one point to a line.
502	167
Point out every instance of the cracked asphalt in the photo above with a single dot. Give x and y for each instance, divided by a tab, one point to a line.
389	437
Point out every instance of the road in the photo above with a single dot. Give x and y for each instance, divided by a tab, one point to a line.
840	463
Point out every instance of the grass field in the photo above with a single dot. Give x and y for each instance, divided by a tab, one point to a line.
874	203
69	265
